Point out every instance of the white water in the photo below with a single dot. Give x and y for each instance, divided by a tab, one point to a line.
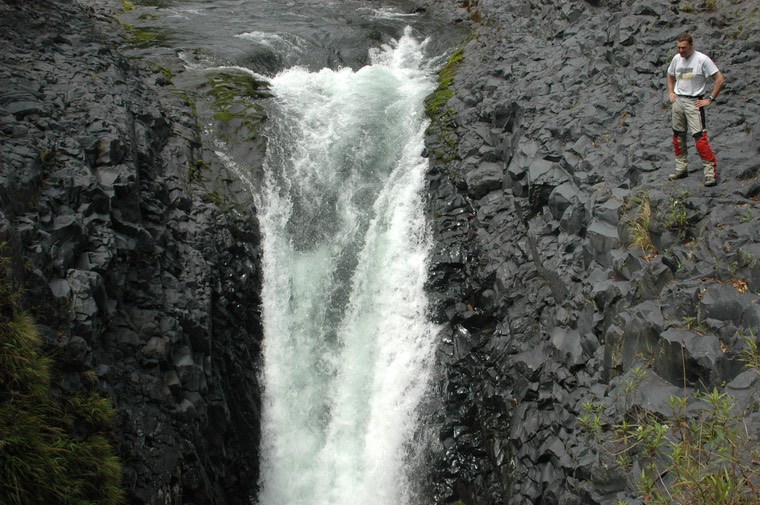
347	344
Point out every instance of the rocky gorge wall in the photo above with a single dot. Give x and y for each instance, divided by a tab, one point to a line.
548	165
556	136
144	287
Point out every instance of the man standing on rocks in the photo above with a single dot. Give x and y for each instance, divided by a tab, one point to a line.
688	75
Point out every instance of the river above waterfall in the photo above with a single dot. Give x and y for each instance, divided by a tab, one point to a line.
268	36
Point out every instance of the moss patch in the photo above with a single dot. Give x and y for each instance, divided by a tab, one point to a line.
444	148
236	106
436	102
229	88
152	3
144	37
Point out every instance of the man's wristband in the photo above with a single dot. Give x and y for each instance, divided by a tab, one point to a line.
711	98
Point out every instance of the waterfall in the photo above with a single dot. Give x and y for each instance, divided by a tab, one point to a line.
347	344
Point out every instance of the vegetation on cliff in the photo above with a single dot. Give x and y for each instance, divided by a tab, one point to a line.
443	145
698	453
236	106
590	262
54	448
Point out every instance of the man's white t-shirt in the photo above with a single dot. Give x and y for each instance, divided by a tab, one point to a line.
691	73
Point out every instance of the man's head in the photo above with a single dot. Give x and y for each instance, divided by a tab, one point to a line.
684	45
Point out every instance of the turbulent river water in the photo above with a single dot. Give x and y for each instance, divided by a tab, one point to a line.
347	342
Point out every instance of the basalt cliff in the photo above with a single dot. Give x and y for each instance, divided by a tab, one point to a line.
583	290
578	287
140	280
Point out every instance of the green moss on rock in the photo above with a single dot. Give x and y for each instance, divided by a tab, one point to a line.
436	102
236	106
443	149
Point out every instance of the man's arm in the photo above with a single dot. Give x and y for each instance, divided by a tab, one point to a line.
671	87
718	82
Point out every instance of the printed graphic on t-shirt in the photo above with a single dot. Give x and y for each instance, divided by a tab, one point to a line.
685	73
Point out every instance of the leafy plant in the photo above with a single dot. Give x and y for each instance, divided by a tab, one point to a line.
442	125
631	386
693	323
590	418
164	71
711	5
473	9
706	6
235	103
48	157
697	459
676	217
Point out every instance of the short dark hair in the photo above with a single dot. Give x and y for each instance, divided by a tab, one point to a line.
684	36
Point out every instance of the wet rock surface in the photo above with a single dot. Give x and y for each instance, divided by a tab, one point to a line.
562	123
143	284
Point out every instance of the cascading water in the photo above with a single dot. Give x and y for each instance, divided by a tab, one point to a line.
347	345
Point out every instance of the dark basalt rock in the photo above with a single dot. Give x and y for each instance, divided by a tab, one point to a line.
560	120
575	108
134	277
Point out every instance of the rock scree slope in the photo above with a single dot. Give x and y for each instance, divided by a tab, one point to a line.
567	266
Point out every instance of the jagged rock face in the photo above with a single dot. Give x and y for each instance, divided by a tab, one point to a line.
130	270
562	131
562	126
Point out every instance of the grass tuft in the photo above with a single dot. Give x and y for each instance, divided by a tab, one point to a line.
639	225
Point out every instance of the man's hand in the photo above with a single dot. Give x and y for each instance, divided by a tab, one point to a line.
702	103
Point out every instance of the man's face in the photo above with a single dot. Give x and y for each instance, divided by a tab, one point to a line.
684	48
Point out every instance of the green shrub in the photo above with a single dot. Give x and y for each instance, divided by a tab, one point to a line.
695	459
676	217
